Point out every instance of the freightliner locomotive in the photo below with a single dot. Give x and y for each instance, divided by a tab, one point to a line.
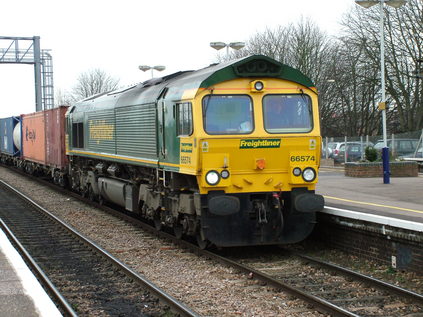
228	154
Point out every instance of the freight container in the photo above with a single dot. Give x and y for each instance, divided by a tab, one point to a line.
43	137
7	145
55	137
33	137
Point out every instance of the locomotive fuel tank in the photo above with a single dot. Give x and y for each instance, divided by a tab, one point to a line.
118	192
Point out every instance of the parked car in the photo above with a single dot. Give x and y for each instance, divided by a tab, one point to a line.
400	147
354	150
418	154
330	147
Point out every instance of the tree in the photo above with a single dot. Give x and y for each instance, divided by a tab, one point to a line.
62	98
403	47
352	91
93	82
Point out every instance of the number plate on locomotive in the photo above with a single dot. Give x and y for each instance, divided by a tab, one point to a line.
302	158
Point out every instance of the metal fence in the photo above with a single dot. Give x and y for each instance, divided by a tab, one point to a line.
351	149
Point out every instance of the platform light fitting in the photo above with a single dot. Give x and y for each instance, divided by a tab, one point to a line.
369	3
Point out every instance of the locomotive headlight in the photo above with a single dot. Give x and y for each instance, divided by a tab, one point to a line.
296	171
224	174
212	178
258	85
309	174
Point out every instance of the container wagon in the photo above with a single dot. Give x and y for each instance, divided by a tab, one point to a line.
43	143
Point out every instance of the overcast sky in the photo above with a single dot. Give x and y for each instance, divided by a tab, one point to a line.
118	36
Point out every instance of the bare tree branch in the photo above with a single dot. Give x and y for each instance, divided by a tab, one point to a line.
93	82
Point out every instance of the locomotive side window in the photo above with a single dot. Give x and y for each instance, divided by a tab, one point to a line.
287	113
228	114
78	135
184	118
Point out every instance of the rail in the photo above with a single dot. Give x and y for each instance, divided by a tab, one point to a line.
175	305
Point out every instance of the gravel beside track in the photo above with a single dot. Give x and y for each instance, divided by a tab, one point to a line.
344	290
202	284
409	280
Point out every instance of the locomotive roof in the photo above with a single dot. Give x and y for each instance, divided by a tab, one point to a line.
175	86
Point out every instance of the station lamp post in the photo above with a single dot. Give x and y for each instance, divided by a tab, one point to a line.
144	68
233	45
382	105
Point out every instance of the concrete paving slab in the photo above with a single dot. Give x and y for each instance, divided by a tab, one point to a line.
17	306
20	292
402	198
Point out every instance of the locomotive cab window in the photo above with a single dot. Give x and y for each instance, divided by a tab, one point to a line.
78	135
228	114
184	118
287	113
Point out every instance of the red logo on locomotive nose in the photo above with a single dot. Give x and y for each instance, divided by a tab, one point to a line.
30	134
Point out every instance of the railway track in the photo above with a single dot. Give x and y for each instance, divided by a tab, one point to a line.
89	279
316	282
331	288
344	293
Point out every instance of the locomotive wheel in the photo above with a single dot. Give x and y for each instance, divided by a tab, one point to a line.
157	223
91	194
84	193
63	181
178	230
202	243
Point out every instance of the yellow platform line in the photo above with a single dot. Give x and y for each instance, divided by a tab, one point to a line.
373	204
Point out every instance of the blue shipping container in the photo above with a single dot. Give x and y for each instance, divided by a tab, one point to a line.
7	146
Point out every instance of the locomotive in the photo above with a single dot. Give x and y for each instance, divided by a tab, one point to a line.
228	154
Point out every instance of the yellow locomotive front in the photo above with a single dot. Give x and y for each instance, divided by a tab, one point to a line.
256	153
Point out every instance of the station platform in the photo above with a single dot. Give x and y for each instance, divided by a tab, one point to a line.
20	292
401	199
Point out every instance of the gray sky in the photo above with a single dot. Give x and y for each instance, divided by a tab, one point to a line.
118	36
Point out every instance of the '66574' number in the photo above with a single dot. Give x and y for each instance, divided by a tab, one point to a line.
302	158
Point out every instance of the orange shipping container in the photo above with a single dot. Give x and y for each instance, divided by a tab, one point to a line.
33	137
43	137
